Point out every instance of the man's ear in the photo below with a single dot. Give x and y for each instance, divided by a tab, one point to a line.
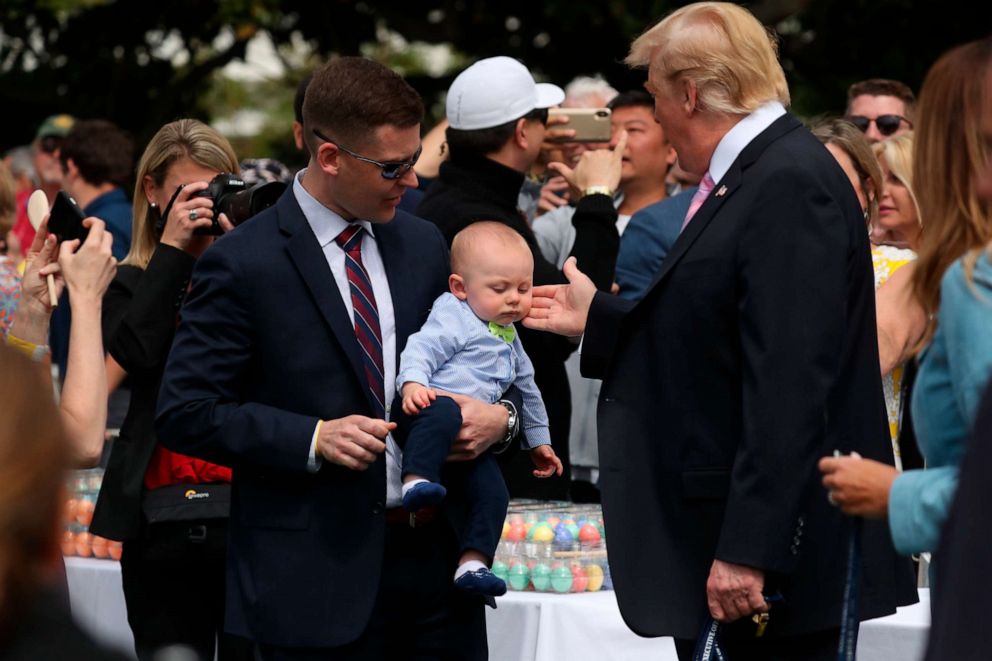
689	95
70	168
328	158
520	133
456	284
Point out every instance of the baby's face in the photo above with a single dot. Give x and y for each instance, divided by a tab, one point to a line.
498	284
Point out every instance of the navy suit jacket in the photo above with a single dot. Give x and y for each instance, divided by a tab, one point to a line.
265	349
753	354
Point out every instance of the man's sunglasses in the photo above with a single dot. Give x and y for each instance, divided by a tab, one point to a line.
50	144
391	171
886	124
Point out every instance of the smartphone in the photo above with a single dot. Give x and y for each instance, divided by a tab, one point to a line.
589	124
66	219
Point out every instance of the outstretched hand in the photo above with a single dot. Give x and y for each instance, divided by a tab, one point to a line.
562	309
546	460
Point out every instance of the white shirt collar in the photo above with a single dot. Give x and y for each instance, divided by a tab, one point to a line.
325	223
741	135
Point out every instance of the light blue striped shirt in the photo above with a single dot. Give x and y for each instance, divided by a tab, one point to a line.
454	351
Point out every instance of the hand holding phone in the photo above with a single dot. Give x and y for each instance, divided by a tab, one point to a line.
66	219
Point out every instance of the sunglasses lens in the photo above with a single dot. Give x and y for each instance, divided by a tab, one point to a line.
888	124
394	170
861	123
49	144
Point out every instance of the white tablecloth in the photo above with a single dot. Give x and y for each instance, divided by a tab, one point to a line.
526	626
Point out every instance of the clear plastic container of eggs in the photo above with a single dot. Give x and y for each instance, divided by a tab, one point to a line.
83	487
553	547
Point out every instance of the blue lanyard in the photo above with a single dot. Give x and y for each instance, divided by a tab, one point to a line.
708	644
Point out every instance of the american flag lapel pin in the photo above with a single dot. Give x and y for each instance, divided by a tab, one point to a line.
722	191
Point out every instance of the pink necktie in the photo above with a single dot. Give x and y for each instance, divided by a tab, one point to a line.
705	188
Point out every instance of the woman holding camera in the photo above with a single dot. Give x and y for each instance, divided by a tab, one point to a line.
169	510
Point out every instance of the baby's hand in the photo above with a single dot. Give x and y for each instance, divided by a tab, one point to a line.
546	460
416	396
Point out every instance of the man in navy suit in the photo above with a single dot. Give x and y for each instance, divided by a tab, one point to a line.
283	368
752	354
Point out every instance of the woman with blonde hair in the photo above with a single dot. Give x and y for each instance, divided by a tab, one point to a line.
899	318
952	281
173	560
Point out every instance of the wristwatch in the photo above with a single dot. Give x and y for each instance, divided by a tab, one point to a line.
512	426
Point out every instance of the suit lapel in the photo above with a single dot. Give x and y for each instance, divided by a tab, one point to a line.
722	191
307	256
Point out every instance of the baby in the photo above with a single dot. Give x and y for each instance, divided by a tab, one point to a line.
469	346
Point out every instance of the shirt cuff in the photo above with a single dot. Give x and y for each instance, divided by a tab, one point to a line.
313	461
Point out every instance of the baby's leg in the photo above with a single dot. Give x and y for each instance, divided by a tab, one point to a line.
428	442
487	499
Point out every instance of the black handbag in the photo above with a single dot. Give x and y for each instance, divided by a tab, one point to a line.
187	502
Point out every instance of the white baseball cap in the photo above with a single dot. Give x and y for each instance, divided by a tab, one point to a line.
495	91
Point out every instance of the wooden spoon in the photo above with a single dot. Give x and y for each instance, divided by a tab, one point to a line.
37	210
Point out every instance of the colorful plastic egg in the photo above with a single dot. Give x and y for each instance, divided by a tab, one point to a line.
506	529
561	579
115	549
540	577
516	534
589	533
519	576
68	543
580	580
595	576
84	511
563	537
83	548
542	533
501	571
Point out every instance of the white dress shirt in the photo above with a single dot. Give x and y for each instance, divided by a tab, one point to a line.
740	136
326	225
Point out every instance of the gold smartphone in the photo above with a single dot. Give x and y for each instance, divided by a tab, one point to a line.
589	124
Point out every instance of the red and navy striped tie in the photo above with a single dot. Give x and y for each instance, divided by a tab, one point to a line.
366	314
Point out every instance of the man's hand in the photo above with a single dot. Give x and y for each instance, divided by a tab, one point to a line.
416	396
482	425
562	309
734	591
554	194
601	167
354	441
860	487
546	460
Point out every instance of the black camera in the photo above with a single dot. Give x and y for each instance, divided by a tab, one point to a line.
235	198
231	196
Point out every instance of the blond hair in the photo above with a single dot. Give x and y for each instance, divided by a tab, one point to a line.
846	137
949	152
485	234
183	138
898	154
8	200
723	49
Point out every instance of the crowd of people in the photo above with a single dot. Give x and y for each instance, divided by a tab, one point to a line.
752	339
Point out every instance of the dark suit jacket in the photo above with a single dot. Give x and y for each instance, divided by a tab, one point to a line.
752	355
265	348
139	322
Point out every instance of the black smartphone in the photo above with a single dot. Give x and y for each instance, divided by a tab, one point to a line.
66	219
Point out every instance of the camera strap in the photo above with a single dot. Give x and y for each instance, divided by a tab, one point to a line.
164	216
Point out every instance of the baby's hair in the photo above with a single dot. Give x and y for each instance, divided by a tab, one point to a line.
483	234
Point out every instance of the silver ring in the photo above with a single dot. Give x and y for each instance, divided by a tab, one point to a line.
831	499
192	214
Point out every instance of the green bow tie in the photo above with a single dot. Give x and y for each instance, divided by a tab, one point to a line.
505	333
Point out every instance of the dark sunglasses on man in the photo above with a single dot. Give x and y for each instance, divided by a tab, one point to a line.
886	124
50	144
391	170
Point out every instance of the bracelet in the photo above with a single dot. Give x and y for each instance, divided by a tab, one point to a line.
512	426
598	190
35	352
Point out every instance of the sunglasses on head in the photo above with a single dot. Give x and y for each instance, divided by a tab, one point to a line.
50	144
886	124
389	170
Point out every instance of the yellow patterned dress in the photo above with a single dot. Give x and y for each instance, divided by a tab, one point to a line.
887	260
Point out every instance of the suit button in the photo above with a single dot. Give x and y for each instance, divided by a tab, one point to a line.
609	400
378	508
